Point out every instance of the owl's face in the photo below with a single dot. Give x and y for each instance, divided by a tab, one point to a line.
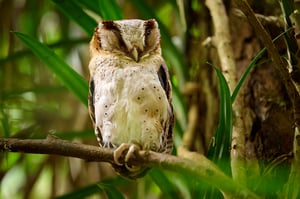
134	39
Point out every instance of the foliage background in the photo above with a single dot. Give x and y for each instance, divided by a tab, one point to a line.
35	102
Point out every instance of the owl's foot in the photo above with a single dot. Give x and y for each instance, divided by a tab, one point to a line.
130	151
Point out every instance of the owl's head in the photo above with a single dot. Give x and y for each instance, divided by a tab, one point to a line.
133	38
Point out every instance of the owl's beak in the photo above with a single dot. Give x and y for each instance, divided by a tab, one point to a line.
135	54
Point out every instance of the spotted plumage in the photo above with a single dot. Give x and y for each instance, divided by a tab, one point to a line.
130	92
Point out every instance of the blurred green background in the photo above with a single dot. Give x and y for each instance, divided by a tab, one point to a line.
35	101
43	93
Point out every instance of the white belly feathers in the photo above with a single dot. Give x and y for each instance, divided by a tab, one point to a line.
130	107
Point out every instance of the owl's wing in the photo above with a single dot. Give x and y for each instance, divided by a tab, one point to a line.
167	142
91	100
92	110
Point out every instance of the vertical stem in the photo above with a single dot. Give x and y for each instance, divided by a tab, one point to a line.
228	65
223	40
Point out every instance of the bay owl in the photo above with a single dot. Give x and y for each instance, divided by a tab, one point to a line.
130	92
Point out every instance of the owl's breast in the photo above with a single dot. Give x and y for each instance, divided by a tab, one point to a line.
131	106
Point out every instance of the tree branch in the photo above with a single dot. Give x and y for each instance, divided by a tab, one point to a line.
202	168
55	146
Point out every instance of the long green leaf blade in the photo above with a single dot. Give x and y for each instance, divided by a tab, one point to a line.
75	12
219	151
96	188
4	122
71	79
110	191
81	193
108	10
167	187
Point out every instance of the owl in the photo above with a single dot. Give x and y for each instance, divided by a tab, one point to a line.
130	92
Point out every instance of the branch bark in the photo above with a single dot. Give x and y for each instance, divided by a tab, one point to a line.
55	146
202	168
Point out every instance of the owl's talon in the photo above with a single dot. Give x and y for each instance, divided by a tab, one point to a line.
129	150
119	152
132	168
131	153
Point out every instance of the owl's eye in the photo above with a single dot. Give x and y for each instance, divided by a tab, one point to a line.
109	25
147	33
117	38
149	25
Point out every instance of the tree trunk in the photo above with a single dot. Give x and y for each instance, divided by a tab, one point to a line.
267	111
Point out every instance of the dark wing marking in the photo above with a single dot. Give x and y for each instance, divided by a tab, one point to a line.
164	79
91	100
167	140
92	111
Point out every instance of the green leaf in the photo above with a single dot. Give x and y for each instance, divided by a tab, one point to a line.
219	150
81	193
5	95
75	12
181	110
70	78
108	10
110	191
67	43
96	188
68	135
90	5
166	186
287	7
4	122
